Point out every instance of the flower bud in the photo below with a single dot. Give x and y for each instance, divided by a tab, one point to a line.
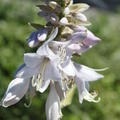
66	11
33	40
91	39
64	21
42	35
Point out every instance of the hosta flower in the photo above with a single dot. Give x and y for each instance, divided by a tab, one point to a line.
85	74
41	68
51	65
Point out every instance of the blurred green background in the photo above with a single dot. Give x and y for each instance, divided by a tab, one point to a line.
14	31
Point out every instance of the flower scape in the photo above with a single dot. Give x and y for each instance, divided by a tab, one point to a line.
64	35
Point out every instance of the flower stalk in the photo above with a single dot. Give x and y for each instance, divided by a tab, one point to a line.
64	35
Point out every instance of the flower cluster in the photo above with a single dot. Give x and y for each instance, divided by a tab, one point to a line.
64	35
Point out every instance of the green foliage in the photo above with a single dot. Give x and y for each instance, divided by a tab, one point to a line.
14	31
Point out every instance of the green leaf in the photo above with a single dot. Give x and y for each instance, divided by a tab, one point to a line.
36	26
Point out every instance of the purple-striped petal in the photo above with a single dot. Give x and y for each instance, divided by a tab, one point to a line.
33	39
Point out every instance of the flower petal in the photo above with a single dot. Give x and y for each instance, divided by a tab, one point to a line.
68	68
77	37
33	60
63	21
27	72
45	51
84	93
87	85
53	35
91	39
60	91
53	110
86	73
16	90
44	86
80	86
52	72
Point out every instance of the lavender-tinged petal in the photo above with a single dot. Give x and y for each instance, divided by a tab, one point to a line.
44	50
27	72
91	39
77	37
87	85
78	48
52	72
15	92
68	68
74	47
84	93
44	86
60	90
53	110
83	49
80	86
87	74
30	94
31	91
55	44
52	35
79	28
32	60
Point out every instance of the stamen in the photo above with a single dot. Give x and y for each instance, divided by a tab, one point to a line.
81	44
61	53
38	82
33	81
89	97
